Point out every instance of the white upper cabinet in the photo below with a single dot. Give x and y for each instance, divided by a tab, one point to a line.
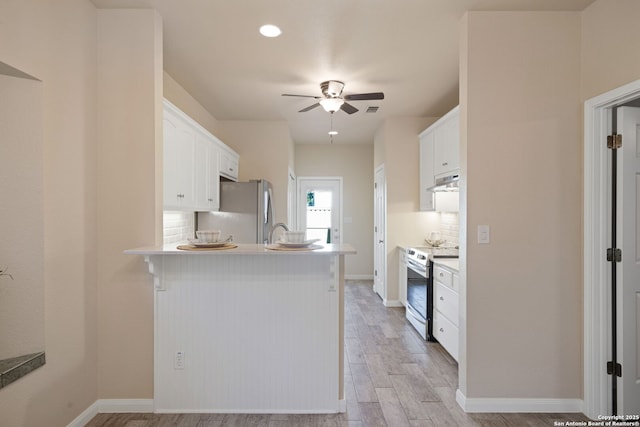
447	143
229	165
179	153
192	163
426	171
439	156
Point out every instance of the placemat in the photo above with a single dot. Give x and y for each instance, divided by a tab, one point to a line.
276	247
194	248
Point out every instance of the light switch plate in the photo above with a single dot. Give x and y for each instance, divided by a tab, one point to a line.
484	234
178	362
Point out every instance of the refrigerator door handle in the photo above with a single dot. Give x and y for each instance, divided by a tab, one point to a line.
269	208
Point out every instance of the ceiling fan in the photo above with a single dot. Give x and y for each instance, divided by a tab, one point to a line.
333	100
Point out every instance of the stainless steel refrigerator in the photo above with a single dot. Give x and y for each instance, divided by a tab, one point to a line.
246	212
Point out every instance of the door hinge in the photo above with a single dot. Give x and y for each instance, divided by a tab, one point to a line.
617	370
375	273
614	141
614	255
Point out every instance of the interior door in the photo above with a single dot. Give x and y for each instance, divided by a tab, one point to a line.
379	233
628	295
320	208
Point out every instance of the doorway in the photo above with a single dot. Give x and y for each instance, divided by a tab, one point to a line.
610	223
320	208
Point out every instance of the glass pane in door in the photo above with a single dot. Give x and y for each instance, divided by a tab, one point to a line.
318	215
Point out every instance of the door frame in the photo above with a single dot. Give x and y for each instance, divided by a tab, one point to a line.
382	263
299	212
597	303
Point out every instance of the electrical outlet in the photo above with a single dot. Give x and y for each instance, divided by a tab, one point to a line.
178	361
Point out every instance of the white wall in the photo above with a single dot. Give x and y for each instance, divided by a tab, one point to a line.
265	149
604	43
396	146
56	43
521	145
130	195
353	163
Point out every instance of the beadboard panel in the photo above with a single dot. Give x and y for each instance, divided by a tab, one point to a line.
249	328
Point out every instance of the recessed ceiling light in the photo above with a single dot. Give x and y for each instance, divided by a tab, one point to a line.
270	30
333	132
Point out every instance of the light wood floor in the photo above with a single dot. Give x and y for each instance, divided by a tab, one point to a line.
392	377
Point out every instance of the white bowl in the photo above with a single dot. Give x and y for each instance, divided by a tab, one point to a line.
293	236
208	236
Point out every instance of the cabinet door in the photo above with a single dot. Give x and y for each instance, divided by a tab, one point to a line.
200	174
427	202
178	150
206	174
213	178
228	165
447	146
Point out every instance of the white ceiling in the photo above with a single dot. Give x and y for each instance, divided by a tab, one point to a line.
407	49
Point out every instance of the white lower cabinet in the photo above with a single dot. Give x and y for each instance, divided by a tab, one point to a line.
445	308
402	276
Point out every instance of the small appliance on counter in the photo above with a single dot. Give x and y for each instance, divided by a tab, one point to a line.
246	211
419	310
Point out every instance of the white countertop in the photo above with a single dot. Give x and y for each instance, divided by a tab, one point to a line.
242	249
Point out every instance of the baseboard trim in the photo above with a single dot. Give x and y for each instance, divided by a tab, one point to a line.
518	405
392	303
103	406
358	277
86	416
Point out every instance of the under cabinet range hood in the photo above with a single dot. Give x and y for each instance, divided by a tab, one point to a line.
446	183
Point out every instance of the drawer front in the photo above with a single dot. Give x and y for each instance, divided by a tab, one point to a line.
445	300
443	276
446	334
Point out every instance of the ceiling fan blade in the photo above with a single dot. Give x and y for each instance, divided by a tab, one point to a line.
302	96
364	96
310	107
348	108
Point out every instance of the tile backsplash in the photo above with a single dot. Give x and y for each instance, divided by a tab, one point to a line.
450	227
177	226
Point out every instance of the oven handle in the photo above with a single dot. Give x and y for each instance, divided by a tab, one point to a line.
416	316
421	270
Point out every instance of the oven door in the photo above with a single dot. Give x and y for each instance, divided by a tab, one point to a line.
417	293
419	309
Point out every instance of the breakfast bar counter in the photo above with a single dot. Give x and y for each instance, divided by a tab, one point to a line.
244	249
248	329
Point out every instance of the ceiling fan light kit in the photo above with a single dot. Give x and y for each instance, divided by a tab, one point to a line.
331	105
333	99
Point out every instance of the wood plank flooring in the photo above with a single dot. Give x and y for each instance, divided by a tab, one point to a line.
392	378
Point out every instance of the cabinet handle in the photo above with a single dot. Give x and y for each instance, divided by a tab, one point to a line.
441	330
445	164
441	298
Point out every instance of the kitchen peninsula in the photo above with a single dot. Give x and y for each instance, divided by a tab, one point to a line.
248	329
